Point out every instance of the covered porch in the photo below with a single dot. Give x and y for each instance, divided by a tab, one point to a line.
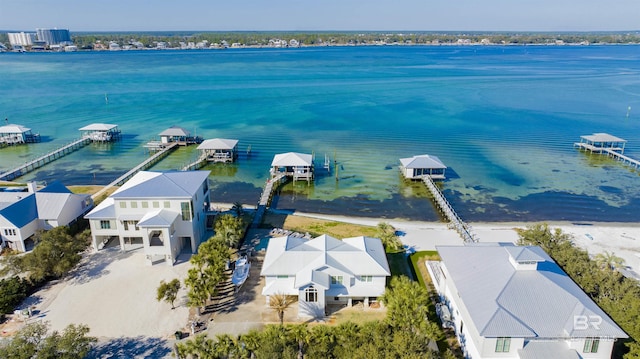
159	237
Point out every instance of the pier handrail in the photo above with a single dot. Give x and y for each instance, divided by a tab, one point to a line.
459	225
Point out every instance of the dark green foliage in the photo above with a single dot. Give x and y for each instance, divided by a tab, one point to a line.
168	291
32	342
615	294
230	229
387	234
208	270
12	292
55	254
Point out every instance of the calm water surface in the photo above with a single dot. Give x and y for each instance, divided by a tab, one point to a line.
502	118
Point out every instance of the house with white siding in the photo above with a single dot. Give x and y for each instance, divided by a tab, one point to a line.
23	212
324	271
162	212
507	301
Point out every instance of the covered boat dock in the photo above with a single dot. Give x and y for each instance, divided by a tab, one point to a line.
418	167
219	150
12	134
101	132
298	166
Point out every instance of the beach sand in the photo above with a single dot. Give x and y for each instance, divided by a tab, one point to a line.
114	292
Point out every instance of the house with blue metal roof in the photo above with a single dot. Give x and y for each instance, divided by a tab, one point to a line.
509	301
161	212
27	210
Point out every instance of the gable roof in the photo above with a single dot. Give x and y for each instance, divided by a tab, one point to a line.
160	218
18	208
505	302
291	159
169	184
218	144
55	187
422	161
296	256
175	131
98	127
105	210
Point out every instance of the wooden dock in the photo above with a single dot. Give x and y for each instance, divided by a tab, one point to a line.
622	158
200	162
44	159
271	185
616	152
142	166
463	229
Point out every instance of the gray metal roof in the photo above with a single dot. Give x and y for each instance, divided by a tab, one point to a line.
170	184
291	159
11	128
505	302
296	256
105	210
422	161
602	137
218	144
98	127
175	131
538	349
161	218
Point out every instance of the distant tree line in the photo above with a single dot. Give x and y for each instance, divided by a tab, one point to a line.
150	39
617	295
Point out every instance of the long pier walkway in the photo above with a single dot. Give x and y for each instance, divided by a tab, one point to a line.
614	152
624	159
142	166
197	164
463	229
44	159
265	197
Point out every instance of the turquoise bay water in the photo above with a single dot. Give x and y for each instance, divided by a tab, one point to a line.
502	118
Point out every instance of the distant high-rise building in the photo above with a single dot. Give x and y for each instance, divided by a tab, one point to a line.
54	36
21	38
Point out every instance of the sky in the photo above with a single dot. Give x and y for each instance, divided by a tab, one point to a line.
321	15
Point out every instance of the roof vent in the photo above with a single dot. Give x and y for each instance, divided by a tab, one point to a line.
524	258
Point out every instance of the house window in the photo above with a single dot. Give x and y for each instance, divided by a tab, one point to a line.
186	211
123	204
105	224
10	232
167	204
134	204
144	204
131	223
591	345
156	204
503	344
337	279
366	278
311	295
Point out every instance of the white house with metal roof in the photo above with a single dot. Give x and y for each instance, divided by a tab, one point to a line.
325	270
219	150
293	164
508	301
24	212
417	167
162	212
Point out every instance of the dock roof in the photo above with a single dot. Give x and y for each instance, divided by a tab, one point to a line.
99	127
422	161
506	302
218	144
292	159
12	128
602	137
175	131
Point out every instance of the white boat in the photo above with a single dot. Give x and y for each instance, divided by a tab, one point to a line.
241	271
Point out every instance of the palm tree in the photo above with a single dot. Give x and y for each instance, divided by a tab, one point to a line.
237	209
300	333
279	303
609	260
